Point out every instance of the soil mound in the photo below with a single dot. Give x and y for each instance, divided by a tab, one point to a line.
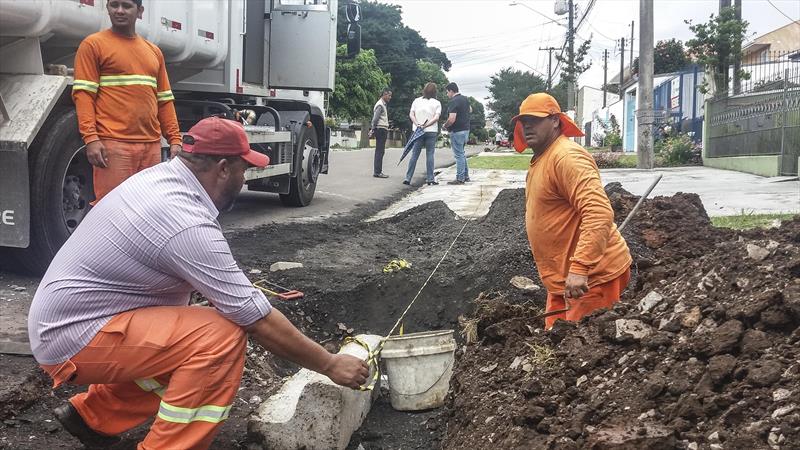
702	352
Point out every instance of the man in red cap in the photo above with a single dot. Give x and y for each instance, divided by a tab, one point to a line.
112	310
582	258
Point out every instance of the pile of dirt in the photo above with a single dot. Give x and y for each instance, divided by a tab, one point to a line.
702	352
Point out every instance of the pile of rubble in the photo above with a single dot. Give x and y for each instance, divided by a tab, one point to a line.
702	352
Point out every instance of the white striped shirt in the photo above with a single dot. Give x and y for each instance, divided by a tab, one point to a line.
150	242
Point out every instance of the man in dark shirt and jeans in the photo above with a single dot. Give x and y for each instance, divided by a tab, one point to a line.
380	129
458	124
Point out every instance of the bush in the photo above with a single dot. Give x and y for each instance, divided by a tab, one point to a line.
679	149
611	135
614	160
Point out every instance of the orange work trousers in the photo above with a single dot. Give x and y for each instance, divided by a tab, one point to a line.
180	364
124	159
600	296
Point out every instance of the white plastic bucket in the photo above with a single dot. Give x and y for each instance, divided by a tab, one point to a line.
419	367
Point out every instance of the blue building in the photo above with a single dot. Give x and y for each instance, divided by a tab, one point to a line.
675	95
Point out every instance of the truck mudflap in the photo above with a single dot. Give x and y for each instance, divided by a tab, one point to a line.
25	103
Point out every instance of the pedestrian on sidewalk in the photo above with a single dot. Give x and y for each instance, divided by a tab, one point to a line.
425	112
380	129
112	311
458	111
581	257
123	99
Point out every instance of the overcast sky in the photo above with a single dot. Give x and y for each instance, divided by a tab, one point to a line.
483	36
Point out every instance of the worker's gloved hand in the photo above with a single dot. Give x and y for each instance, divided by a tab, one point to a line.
575	286
96	154
347	370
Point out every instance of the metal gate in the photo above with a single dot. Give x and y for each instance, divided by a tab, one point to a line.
758	124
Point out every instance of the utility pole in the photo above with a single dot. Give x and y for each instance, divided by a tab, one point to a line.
645	114
605	76
550	51
571	57
622	66
737	57
630	60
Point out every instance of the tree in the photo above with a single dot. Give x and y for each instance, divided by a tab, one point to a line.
507	89
571	72
477	119
716	44
668	56
401	53
359	82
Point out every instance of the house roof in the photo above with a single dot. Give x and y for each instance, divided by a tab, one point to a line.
765	40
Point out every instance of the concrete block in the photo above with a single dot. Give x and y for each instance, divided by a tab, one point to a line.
284	265
631	329
312	412
650	301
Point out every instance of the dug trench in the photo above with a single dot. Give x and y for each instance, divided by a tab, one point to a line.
346	292
583	386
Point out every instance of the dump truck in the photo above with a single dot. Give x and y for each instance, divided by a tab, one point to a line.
267	63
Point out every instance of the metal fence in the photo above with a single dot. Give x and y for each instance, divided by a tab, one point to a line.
764	120
766	73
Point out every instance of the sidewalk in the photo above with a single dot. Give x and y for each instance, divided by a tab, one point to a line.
723	192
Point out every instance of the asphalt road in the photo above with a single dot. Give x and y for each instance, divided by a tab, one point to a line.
348	184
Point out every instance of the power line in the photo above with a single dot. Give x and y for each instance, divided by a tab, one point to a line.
779	10
534	10
452	42
601	34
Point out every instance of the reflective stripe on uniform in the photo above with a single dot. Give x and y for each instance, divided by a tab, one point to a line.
84	85
151	385
127	80
205	413
165	96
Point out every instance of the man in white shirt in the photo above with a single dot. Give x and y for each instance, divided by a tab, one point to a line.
425	112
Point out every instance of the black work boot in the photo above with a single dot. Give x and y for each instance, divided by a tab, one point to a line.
74	424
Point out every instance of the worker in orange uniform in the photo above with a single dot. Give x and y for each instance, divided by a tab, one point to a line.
582	258
123	99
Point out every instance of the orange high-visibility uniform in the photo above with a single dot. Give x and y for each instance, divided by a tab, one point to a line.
570	224
122	94
182	364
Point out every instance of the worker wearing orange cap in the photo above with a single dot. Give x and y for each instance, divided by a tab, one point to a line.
582	258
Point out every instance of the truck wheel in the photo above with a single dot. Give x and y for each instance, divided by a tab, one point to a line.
61	189
303	185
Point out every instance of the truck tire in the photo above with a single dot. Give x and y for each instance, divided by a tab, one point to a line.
60	189
309	163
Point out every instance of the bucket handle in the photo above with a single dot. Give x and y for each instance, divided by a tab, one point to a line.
449	365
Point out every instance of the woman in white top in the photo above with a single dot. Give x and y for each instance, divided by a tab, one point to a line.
425	112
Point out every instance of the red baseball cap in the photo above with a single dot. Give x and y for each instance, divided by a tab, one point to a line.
221	137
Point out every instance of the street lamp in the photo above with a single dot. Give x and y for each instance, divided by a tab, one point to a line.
515	3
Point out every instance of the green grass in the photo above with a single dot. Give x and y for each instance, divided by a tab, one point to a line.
628	161
748	220
513	162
